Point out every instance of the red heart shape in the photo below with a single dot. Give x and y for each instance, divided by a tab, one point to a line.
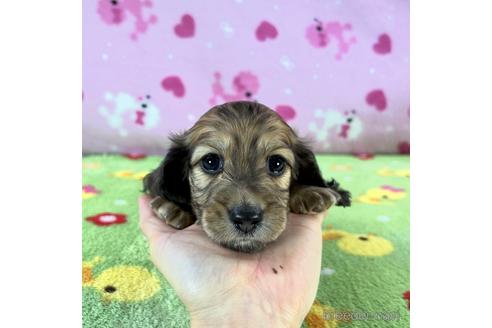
286	112
174	85
383	46
377	99
185	28
266	31
404	148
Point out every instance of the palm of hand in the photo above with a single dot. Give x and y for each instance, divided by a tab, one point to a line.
282	279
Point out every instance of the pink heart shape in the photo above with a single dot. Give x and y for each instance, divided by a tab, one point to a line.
404	148
266	31
185	28
286	112
383	46
377	99
174	85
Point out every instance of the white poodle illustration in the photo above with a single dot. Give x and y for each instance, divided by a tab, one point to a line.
123	110
334	124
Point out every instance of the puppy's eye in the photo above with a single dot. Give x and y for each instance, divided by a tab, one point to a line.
276	165
212	163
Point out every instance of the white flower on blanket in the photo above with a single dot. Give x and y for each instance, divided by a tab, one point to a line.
335	124
327	271
123	111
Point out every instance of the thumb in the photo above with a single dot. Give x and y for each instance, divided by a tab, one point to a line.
150	225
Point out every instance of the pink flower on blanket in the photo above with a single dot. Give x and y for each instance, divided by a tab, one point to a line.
89	191
383	195
392	189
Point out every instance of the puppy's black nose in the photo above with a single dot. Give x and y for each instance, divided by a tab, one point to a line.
245	217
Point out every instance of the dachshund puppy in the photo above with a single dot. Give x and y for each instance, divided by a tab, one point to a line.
238	172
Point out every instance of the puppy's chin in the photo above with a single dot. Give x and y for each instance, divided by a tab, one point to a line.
227	236
245	246
239	242
216	224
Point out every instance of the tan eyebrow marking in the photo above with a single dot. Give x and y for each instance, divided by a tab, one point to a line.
285	153
199	152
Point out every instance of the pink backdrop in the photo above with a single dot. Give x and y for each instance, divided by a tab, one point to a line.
337	71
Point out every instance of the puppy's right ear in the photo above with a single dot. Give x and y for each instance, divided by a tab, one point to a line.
307	173
170	179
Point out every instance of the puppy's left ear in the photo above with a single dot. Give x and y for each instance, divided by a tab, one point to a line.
170	178
307	173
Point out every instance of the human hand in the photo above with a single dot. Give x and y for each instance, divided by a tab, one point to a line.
222	288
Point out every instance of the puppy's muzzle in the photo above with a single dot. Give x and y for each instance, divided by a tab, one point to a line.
246	218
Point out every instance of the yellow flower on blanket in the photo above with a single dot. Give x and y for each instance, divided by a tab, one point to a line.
124	283
383	195
128	174
359	244
321	316
332	234
87	269
386	172
365	245
341	167
91	165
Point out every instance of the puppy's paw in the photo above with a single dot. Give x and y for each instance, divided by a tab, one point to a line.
171	213
311	200
344	197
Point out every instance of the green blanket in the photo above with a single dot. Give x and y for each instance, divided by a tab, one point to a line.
364	279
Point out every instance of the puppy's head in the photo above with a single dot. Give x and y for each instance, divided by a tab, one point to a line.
234	169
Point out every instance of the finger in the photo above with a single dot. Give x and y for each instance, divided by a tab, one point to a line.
151	226
144	205
303	233
308	220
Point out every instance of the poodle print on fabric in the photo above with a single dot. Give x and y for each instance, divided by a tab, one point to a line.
116	12
191	55
245	86
335	126
123	112
322	34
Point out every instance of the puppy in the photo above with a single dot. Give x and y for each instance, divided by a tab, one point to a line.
238	172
